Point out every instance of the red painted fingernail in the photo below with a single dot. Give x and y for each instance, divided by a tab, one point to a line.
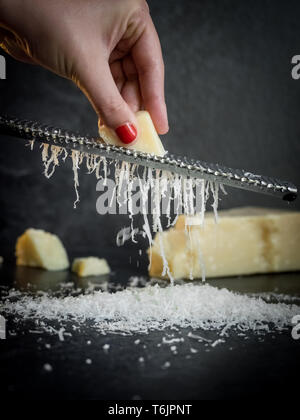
127	133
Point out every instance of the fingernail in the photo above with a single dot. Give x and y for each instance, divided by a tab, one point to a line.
127	133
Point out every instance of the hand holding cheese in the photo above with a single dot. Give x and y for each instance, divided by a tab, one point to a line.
146	141
110	49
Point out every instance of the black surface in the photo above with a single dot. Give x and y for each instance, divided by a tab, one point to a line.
242	367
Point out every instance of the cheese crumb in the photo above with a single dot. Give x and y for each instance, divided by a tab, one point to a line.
47	367
217	342
166	365
90	266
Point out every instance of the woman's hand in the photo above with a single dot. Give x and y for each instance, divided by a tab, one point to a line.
109	48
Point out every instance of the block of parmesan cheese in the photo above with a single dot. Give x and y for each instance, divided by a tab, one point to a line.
90	266
245	241
37	248
147	138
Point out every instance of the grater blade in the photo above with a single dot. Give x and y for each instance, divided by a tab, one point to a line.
237	178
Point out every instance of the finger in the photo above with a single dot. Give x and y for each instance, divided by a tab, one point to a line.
131	89
118	74
148	59
96	81
131	94
8	44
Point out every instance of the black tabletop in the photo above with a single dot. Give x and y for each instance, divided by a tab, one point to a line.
38	365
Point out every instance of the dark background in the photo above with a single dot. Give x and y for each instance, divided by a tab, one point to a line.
231	99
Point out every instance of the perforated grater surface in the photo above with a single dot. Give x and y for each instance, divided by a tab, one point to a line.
238	178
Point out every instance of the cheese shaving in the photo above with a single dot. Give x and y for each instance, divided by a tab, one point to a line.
162	193
53	159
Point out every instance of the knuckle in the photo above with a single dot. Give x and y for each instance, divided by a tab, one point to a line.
118	79
152	66
141	10
112	107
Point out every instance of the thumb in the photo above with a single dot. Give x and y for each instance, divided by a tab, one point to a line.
97	82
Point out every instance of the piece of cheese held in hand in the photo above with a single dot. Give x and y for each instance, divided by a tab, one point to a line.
90	266
244	241
147	140
37	248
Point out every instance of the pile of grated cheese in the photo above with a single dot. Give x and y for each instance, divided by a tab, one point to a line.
141	310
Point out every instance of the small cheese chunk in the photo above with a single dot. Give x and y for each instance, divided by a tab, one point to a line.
147	138
37	248
90	266
245	241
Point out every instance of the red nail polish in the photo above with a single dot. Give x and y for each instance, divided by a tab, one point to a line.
127	133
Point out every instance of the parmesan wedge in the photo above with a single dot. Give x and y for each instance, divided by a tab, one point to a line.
90	266
37	248
245	241
147	140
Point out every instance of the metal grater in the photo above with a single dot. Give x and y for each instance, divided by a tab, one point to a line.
238	178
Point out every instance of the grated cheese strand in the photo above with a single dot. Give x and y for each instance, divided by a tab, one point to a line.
76	161
168	192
